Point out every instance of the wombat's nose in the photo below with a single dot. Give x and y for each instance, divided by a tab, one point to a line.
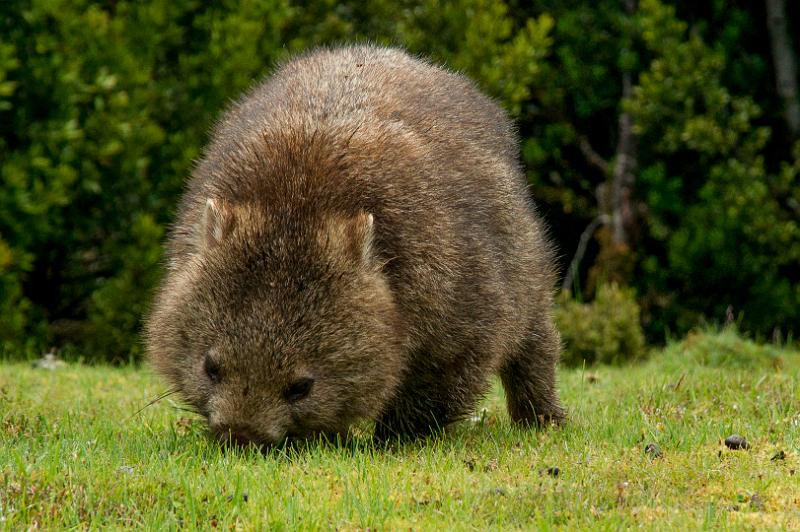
240	435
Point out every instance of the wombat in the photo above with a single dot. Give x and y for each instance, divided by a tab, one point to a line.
357	242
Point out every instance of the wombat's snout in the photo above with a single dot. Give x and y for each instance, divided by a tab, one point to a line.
238	435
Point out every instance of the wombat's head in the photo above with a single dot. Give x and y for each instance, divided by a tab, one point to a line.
278	325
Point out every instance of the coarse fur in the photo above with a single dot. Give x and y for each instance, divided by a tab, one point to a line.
357	242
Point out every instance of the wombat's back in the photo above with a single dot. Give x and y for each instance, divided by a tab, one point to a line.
344	85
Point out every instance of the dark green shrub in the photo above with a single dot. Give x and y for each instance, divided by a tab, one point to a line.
607	330
104	105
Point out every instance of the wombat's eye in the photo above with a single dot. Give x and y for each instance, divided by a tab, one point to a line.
299	389
211	367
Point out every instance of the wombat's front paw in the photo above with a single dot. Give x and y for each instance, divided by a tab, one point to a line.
542	418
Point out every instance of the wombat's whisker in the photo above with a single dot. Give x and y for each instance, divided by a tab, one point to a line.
186	409
163	395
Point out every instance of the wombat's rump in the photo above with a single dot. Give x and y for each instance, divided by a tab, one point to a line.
357	242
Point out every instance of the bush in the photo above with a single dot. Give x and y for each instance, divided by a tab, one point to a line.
607	330
723	349
103	106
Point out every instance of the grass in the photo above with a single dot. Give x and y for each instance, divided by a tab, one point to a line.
72	454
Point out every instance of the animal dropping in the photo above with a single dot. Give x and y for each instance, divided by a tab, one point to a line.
357	242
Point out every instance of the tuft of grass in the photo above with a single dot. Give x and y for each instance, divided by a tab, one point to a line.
724	349
71	455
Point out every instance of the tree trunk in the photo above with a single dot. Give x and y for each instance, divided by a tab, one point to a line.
623	177
616	221
785	63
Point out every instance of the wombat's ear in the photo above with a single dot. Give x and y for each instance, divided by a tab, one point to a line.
217	223
350	236
363	227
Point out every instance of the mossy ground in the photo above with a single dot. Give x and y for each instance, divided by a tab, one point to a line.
72	454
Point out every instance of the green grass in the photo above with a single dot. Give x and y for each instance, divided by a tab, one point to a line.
72	455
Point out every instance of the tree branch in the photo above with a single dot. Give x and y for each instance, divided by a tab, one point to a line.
592	157
587	233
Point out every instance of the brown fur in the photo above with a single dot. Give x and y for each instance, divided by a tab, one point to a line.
359	218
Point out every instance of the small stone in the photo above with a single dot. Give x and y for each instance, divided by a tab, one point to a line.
551	471
622	492
736	442
49	362
757	502
780	455
491	465
653	450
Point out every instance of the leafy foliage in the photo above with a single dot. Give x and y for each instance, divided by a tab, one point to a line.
716	189
104	106
100	127
731	227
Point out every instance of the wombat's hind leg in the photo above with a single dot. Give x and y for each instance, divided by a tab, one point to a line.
529	379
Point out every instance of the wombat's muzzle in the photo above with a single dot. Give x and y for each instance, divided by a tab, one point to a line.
237	435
